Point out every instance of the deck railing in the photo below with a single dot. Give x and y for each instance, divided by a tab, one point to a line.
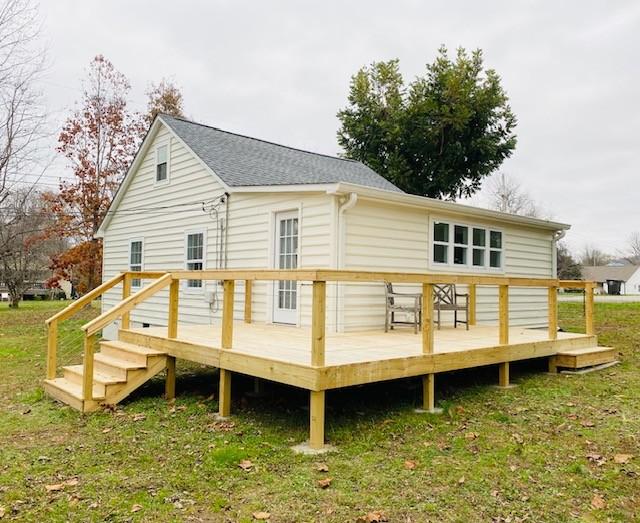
319	279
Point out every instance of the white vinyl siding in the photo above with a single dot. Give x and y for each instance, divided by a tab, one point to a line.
249	238
388	237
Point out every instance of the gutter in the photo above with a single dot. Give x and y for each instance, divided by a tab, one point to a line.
347	204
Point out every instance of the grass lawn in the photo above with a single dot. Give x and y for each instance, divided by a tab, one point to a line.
556	448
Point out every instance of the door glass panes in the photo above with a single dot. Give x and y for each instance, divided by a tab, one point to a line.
288	259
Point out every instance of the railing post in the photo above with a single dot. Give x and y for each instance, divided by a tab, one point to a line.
427	318
126	292
588	309
224	402
504	314
318	320
87	372
248	291
174	296
227	313
52	349
472	304
553	313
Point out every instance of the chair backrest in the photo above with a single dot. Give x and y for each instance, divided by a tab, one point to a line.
445	294
388	292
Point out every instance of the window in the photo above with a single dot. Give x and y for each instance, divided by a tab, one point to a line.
161	163
466	246
440	242
495	252
195	256
135	260
460	244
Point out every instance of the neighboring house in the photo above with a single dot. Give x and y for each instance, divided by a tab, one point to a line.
39	289
198	197
614	279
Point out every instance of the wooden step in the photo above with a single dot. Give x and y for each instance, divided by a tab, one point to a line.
585	357
71	393
101	381
114	366
128	351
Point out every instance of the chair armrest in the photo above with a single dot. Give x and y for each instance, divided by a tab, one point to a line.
407	294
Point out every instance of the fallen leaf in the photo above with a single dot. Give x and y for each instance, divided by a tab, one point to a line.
596	458
55	487
71	482
245	465
410	464
322	467
140	417
587	423
108	429
598	502
513	468
261	515
621	459
461	480
372	517
136	508
518	438
471	435
2	511
324	483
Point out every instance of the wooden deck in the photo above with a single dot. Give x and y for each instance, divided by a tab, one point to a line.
283	353
310	358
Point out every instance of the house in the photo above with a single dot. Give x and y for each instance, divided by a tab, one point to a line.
203	218
614	279
199	197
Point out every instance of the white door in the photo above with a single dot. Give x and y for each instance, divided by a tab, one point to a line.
285	306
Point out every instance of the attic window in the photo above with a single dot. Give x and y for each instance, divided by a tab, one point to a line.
161	163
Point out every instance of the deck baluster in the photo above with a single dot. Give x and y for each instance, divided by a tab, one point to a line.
427	318
52	349
248	296
588	309
87	374
472	304
553	313
126	292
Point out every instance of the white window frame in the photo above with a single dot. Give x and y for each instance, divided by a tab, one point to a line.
136	283
451	245
187	261
156	163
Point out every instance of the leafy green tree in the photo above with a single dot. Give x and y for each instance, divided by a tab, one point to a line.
568	267
438	136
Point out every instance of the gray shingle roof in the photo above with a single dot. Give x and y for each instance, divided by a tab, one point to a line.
607	272
244	161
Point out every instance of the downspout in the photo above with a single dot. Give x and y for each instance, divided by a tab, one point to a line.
340	243
557	236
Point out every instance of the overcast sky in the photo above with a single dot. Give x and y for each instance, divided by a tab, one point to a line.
280	71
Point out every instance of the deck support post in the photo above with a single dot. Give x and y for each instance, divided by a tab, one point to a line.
174	296
472	304
170	382
504	314
52	349
553	313
588	309
318	321
553	364
87	371
427	318
316	419
224	401
248	295
126	292
503	375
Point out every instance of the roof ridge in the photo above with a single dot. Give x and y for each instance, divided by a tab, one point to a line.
261	140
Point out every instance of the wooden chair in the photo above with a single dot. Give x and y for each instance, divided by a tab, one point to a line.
412	305
446	299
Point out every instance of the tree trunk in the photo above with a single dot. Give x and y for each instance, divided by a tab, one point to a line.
14	300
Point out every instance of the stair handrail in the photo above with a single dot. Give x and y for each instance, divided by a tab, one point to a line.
126	305
85	299
91	328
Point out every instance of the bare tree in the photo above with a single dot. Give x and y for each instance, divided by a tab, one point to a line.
507	195
24	250
593	257
633	250
22	114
